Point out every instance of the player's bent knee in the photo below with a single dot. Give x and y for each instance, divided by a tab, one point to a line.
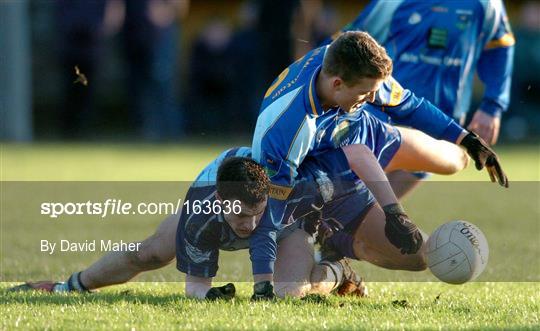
418	263
413	262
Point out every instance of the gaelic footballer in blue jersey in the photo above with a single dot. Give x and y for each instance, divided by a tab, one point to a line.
316	90
436	48
201	236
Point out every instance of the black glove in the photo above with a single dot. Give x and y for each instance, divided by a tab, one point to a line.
400	231
225	292
482	155
263	291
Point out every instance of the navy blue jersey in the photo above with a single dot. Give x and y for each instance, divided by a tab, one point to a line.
437	46
325	180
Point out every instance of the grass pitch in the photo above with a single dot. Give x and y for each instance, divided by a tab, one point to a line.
161	305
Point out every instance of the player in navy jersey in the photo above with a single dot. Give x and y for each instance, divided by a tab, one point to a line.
200	235
230	178
436	48
351	73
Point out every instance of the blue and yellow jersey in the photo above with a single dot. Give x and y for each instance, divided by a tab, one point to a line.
437	46
291	123
291	118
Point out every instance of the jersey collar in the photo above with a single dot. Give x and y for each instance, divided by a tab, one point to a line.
313	106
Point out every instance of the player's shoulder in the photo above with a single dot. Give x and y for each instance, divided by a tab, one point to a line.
197	218
294	78
208	176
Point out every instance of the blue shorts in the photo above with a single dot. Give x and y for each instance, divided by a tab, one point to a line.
361	127
342	195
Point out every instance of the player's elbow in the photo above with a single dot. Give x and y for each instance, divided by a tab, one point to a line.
458	162
463	161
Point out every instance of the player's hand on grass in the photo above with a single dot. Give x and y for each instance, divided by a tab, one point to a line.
225	292
484	156
400	231
263	291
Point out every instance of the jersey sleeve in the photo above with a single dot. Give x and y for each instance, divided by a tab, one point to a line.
263	247
196	251
282	139
405	108
496	64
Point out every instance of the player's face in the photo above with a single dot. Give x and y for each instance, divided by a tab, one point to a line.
245	222
350	98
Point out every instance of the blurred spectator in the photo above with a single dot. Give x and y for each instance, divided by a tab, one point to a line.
304	18
247	91
210	80
324	25
285	33
275	26
80	25
151	37
526	81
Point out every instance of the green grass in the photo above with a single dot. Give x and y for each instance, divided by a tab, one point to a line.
162	306
509	218
52	161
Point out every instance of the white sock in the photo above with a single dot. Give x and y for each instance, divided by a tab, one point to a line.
337	270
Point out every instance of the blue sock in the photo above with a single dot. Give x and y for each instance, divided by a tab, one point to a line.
343	243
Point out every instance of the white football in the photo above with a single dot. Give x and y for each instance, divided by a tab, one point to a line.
457	252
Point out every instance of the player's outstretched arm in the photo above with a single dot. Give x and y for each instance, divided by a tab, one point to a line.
407	109
399	229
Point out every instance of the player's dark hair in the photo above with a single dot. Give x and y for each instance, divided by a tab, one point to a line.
241	178
355	55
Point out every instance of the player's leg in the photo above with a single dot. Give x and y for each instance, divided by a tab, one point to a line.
372	245
297	274
294	263
403	182
420	152
155	252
